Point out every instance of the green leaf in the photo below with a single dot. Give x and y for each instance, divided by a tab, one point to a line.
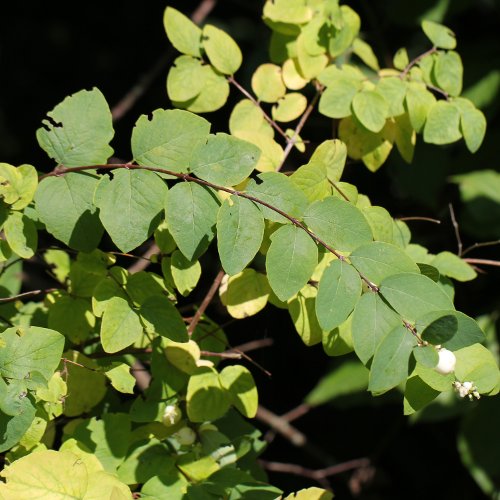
213	95
185	356
161	317
240	230
191	214
453	266
365	53
271	151
426	355
439	35
332	154
405	137
442	125
131	206
289	107
381	223
472	124
390	362
120	325
309	65
239	383
467	331
186	78
372	321
371	109
222	51
312	180
121	378
86	385
338	223
414	295
418	103
290	260
401	59
448	72
164	239
339	290
393	89
303	313
441	329
288	11
18	185
65	206
418	394
267	83
166	140
378	260
291	75
279	191
349	378
32	349
248	117
206	398
78	130
224	159
185	273
21	234
72	317
476	364
184	35
245	294
335	101
346	31
338	341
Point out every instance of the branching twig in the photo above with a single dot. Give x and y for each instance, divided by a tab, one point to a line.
479	245
144	260
206	301
282	426
32	293
253	345
292	140
416	61
250	97
457	231
484	262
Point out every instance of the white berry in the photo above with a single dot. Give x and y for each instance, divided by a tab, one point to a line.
185	436
446	363
171	415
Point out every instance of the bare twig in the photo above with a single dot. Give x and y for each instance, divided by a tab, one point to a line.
484	262
282	426
224	355
292	140
144	260
426	219
32	293
316	474
416	61
253	345
250	97
480	245
334	184
206	301
297	412
457	231
140	88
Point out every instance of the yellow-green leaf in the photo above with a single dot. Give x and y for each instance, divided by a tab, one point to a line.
222	51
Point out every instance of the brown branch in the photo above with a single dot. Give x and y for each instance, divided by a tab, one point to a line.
61	170
426	219
206	301
297	412
292	140
416	61
144	260
479	245
32	293
253	345
139	89
339	191
281	426
224	355
484	262
316	474
250	97
455	227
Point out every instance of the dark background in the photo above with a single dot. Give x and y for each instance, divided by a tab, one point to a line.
49	50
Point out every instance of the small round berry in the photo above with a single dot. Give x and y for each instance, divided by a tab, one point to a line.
185	436
171	415
446	363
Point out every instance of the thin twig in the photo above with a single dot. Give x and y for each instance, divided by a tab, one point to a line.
253	345
479	245
316	474
32	293
293	139
426	219
484	262
457	231
282	426
416	60
140	88
297	412
250	97
334	184
144	260
224	355
206	301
